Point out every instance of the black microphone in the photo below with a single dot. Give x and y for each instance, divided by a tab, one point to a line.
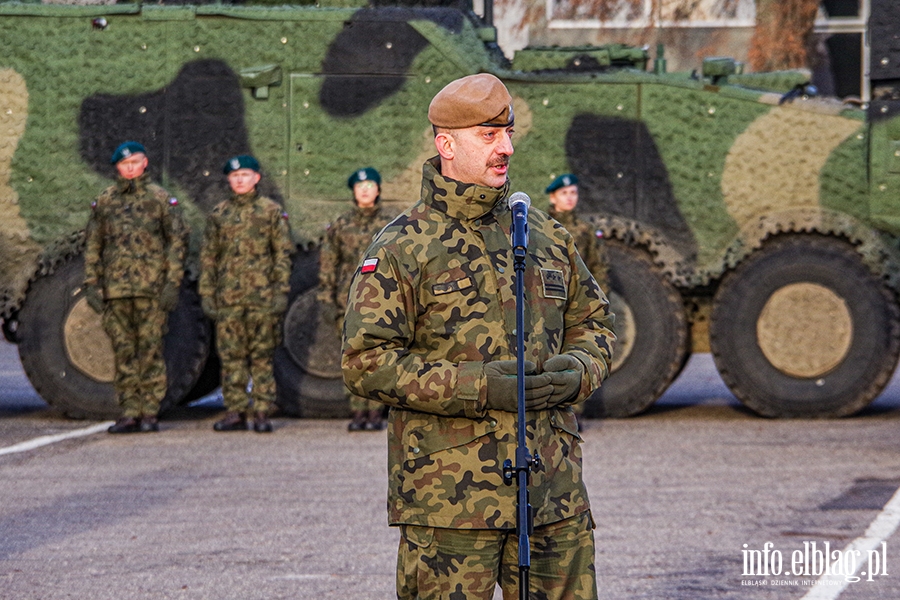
519	203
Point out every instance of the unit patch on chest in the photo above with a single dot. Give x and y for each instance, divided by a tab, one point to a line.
554	284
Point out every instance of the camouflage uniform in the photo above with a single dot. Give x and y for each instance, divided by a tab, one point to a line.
589	241
135	245
432	303
245	264
345	241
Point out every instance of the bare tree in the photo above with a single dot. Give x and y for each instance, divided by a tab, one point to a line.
783	34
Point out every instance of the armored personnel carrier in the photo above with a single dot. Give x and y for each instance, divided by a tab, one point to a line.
743	215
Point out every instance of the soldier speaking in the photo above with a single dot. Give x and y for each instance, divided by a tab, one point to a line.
429	331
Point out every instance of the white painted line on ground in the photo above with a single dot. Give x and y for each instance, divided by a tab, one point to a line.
52	439
830	585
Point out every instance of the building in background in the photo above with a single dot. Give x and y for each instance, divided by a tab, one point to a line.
828	38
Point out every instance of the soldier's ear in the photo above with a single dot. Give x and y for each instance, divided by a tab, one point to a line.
446	145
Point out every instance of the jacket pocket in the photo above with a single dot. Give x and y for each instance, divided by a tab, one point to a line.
425	435
564	419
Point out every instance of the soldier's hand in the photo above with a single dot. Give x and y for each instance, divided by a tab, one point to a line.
501	386
280	304
209	307
565	372
94	298
168	299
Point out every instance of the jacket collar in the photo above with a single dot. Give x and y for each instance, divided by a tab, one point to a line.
463	201
243	198
566	218
131	186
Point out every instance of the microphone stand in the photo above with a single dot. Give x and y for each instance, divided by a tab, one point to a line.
524	461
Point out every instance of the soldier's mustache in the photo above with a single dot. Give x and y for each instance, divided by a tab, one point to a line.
501	161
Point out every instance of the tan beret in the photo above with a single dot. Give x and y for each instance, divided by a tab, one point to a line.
480	99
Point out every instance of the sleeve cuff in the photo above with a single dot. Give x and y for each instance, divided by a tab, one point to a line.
471	388
592	377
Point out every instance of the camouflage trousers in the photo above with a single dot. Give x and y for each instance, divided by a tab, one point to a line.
358	403
136	327
467	564
246	338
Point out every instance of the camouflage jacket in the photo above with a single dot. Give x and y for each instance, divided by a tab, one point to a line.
135	240
246	255
432	302
345	241
589	241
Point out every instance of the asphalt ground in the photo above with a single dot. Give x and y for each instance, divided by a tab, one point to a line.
300	513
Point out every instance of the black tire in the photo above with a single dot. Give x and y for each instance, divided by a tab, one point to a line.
187	348
652	331
74	386
834	378
211	376
307	363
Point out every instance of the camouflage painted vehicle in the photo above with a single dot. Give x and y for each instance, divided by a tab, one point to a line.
742	214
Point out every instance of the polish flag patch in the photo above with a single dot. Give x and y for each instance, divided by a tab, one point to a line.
369	265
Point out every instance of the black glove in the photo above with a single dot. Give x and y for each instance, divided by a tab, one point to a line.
501	386
209	307
94	297
280	304
565	373
168	299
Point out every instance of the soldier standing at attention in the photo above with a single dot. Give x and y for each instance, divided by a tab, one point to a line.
588	239
133	263
429	331
245	271
345	241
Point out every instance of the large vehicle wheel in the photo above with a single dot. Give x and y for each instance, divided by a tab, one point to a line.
69	358
308	363
652	335
804	329
210	377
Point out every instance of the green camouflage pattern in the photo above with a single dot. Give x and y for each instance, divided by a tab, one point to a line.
246	338
136	327
589	241
434	563
346	239
245	259
832	172
135	240
420	327
245	263
681	166
357	403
